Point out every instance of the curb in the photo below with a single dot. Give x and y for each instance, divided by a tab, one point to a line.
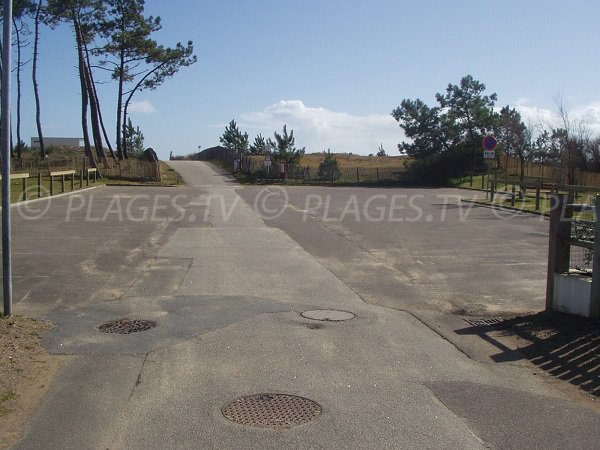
144	185
506	208
64	194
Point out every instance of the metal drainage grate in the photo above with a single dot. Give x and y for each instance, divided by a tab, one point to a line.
328	315
272	410
126	326
493	322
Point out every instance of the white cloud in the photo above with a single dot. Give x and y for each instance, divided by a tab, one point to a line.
319	129
142	107
535	115
587	114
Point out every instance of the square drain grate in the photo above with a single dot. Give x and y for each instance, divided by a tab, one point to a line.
483	322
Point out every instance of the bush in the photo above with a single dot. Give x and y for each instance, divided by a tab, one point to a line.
329	169
441	168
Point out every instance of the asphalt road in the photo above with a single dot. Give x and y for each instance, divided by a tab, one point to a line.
226	290
417	249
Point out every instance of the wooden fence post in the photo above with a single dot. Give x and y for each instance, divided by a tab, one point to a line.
24	188
80	178
39	180
357	177
512	197
492	188
72	182
62	184
595	294
559	250
538	190
51	185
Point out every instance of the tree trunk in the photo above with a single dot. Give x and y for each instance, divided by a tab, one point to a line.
95	99
125	149
38	116
84	92
120	105
93	109
18	68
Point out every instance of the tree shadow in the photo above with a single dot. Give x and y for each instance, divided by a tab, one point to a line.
562	345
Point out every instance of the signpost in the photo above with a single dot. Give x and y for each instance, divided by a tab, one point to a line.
6	99
489	154
489	147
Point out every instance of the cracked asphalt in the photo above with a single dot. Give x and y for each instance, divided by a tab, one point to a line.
225	274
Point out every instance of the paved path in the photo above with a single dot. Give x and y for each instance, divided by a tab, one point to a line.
227	291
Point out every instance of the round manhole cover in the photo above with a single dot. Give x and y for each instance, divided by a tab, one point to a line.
328	315
126	326
272	410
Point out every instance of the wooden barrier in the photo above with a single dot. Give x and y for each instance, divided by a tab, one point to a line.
20	176
91	170
61	174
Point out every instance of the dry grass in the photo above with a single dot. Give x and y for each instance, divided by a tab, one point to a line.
353	161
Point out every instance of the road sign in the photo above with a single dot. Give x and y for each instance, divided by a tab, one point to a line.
489	154
489	143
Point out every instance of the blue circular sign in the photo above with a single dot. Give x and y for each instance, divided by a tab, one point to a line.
490	142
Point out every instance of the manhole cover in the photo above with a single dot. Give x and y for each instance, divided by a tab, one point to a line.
126	326
272	410
493	322
328	315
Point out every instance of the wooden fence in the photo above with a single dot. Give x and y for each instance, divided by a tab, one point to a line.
130	169
545	171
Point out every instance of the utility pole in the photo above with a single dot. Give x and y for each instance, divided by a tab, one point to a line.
6	231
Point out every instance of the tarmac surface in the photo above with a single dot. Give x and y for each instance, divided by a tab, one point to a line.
225	274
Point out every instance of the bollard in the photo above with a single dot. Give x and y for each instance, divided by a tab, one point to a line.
492	187
72	182
512	198
80	178
357	178
51	185
87	181
39	184
538	190
62	184
24	188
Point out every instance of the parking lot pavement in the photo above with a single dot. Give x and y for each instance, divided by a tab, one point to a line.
417	249
228	301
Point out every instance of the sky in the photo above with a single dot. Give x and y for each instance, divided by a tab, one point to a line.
333	70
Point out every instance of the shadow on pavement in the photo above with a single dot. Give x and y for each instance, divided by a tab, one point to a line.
564	346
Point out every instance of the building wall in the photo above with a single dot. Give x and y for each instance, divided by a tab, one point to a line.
48	141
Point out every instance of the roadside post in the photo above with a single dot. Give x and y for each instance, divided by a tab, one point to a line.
6	102
489	155
268	163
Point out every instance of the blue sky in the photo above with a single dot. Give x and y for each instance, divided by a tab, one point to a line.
333	70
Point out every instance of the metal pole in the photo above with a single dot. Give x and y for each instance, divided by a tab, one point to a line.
6	250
